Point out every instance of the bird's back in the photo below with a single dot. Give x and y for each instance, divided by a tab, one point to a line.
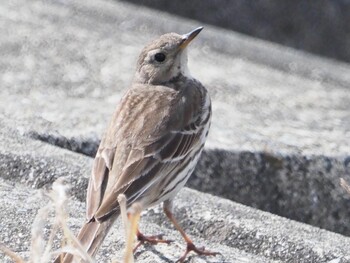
137	143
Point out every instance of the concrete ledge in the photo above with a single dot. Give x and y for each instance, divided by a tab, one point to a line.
304	188
279	139
240	233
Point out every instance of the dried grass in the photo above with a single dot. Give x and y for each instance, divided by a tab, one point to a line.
41	250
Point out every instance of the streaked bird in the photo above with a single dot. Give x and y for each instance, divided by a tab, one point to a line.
152	144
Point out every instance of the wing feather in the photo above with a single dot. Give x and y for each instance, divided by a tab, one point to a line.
138	147
98	180
146	173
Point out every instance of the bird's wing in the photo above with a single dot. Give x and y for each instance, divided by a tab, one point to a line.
138	145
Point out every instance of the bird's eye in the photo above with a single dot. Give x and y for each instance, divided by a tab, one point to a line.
159	57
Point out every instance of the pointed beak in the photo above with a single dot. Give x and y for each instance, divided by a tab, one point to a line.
187	38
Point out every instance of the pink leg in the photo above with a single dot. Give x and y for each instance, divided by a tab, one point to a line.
190	246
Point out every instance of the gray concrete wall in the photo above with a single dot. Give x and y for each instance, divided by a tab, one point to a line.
320	27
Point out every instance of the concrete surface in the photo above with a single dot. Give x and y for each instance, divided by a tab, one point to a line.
240	233
281	127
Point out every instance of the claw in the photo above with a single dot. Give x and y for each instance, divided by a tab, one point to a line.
156	239
200	251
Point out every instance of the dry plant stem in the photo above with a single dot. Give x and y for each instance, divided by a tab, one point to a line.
8	252
123	212
51	237
134	217
124	215
345	185
76	249
38	248
59	198
39	251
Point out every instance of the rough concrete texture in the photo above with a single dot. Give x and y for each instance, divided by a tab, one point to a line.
16	234
279	139
240	233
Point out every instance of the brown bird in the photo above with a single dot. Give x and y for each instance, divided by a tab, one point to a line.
152	144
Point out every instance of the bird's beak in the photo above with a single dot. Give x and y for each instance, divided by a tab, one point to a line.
187	38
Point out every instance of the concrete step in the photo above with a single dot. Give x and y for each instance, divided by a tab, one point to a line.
240	233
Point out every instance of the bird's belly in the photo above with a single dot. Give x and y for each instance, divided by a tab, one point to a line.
174	186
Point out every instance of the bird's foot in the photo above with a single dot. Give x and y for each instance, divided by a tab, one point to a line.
153	240
200	251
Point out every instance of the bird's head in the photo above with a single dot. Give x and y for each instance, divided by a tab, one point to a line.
164	58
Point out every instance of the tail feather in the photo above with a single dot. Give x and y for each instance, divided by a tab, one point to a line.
90	236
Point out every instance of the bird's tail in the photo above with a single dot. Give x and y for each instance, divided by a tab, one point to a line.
90	236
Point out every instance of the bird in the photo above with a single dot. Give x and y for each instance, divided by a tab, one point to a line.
152	144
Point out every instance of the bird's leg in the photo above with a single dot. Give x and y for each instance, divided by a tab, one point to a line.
190	246
148	239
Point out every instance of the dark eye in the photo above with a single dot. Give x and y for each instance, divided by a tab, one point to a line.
160	57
